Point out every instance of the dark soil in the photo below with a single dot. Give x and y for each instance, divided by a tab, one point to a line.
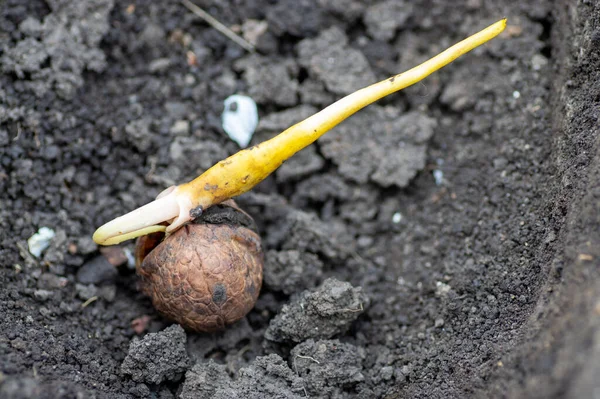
456	224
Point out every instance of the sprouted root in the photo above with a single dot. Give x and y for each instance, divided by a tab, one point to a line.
240	172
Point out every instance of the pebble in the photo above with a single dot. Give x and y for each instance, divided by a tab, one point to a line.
538	61
108	292
97	270
240	118
31	27
86	246
86	292
180	128
40	241
176	110
159	65
387	372
51	281
438	176
42	295
116	256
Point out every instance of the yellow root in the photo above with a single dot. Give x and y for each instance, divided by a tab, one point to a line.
242	171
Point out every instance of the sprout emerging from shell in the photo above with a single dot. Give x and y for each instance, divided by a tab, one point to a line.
240	172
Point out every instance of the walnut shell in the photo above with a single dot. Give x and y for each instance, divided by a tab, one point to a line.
205	275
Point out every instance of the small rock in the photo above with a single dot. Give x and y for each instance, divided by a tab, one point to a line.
55	254
31	27
500	163
399	376
108	292
176	110
159	65
51	152
42	295
85	292
18	344
253	30
49	281
538	62
138	133
96	271
86	246
140	325
180	128
116	256
153	35
68	307
318	314
157	357
4	138
40	241
387	373
442	289
239	118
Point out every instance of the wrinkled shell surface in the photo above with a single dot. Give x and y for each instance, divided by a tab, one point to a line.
203	276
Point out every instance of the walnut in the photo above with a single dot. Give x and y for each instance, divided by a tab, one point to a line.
206	275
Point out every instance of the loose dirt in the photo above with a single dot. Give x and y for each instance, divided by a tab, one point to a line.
456	224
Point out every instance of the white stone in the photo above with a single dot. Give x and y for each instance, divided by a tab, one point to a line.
38	242
240	118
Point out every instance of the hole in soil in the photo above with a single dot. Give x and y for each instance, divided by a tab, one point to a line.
217	355
545	36
302	75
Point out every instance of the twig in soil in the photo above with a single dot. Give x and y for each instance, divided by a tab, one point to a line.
86	303
240	172
360	309
218	25
309	358
19	130
231	363
296	369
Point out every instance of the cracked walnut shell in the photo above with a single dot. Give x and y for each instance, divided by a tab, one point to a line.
208	273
